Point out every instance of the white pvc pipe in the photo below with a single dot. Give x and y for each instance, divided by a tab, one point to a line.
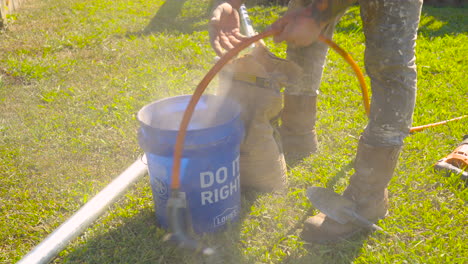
77	223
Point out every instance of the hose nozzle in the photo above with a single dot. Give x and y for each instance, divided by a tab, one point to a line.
180	226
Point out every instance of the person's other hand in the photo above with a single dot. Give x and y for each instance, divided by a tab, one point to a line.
297	27
224	28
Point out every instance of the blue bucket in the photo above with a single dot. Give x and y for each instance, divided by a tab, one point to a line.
209	174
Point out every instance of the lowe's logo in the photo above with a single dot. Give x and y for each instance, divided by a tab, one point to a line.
226	216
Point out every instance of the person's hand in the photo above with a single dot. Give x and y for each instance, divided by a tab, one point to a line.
224	28
297	27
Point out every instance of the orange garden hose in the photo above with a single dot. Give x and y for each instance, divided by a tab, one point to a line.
420	128
357	70
178	148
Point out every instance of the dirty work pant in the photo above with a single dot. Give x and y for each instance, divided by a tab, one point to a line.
390	28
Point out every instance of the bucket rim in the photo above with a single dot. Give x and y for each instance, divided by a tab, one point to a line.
232	102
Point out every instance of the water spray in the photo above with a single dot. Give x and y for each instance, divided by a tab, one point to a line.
177	202
177	209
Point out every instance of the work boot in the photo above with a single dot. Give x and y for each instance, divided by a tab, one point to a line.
298	136
374	168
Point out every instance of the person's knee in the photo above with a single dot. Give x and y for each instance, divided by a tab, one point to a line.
385	134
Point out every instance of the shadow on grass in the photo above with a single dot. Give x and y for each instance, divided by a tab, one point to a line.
345	251
168	19
140	240
435	21
443	21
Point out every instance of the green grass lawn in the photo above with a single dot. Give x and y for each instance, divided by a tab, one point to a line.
73	75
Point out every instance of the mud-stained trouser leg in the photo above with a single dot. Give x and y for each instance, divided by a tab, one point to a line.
390	27
310	58
299	115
